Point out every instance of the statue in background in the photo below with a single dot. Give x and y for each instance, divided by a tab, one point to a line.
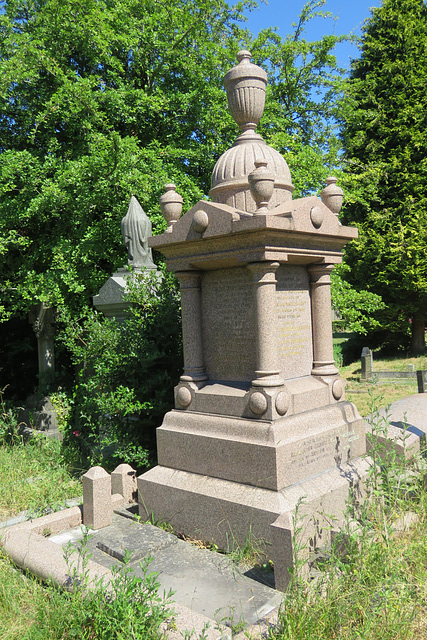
136	229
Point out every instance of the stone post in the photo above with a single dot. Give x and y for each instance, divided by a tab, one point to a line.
191	309
422	381
323	352
123	481
267	359
97	506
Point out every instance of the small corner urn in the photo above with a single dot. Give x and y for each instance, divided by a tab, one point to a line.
332	195
171	206
261	184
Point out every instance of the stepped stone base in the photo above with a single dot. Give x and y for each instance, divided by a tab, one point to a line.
228	513
271	454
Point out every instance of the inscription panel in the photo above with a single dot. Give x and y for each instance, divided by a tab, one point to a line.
228	324
294	333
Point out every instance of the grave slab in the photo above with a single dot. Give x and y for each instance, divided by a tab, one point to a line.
406	429
204	581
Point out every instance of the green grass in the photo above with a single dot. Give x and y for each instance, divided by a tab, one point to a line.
378	591
360	392
34	476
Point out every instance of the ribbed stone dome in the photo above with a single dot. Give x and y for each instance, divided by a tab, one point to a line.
230	184
245	85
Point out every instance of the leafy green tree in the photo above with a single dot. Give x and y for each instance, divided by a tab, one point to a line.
356	308
99	100
125	374
385	137
104	99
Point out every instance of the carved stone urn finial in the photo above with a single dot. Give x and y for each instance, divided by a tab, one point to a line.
171	205
245	86
332	195
261	184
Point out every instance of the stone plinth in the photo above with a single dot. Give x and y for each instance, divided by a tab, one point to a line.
260	415
111	297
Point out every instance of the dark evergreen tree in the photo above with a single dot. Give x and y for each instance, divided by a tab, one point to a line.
385	137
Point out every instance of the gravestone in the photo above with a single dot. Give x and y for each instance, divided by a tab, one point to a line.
367	364
261	428
422	381
136	230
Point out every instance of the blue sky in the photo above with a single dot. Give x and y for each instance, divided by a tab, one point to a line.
350	15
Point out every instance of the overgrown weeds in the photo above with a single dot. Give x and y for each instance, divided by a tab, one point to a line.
372	581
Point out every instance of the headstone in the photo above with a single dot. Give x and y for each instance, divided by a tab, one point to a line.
40	414
97	506
136	230
422	381
261	428
367	364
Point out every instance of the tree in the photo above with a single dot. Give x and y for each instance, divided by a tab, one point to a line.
104	99
99	100
384	127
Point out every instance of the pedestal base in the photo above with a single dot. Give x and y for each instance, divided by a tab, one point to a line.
228	513
271	454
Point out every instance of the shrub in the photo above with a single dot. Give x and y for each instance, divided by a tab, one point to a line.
125	374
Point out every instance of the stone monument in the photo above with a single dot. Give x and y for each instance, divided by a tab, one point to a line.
261	428
136	230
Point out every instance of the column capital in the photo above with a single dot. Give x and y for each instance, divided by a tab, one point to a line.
263	272
189	279
320	273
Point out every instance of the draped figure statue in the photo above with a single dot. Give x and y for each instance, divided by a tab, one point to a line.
136	229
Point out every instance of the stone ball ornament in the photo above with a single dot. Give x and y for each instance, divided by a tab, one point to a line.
338	388
200	221
316	217
184	396
282	403
258	403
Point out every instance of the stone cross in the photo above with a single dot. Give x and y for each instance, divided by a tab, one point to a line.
42	317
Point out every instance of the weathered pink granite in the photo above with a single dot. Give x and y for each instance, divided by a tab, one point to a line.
260	417
97	506
123	481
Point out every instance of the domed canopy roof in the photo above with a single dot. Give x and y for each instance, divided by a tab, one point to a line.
245	85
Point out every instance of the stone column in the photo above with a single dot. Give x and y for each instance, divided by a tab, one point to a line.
191	309
267	359
323	352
